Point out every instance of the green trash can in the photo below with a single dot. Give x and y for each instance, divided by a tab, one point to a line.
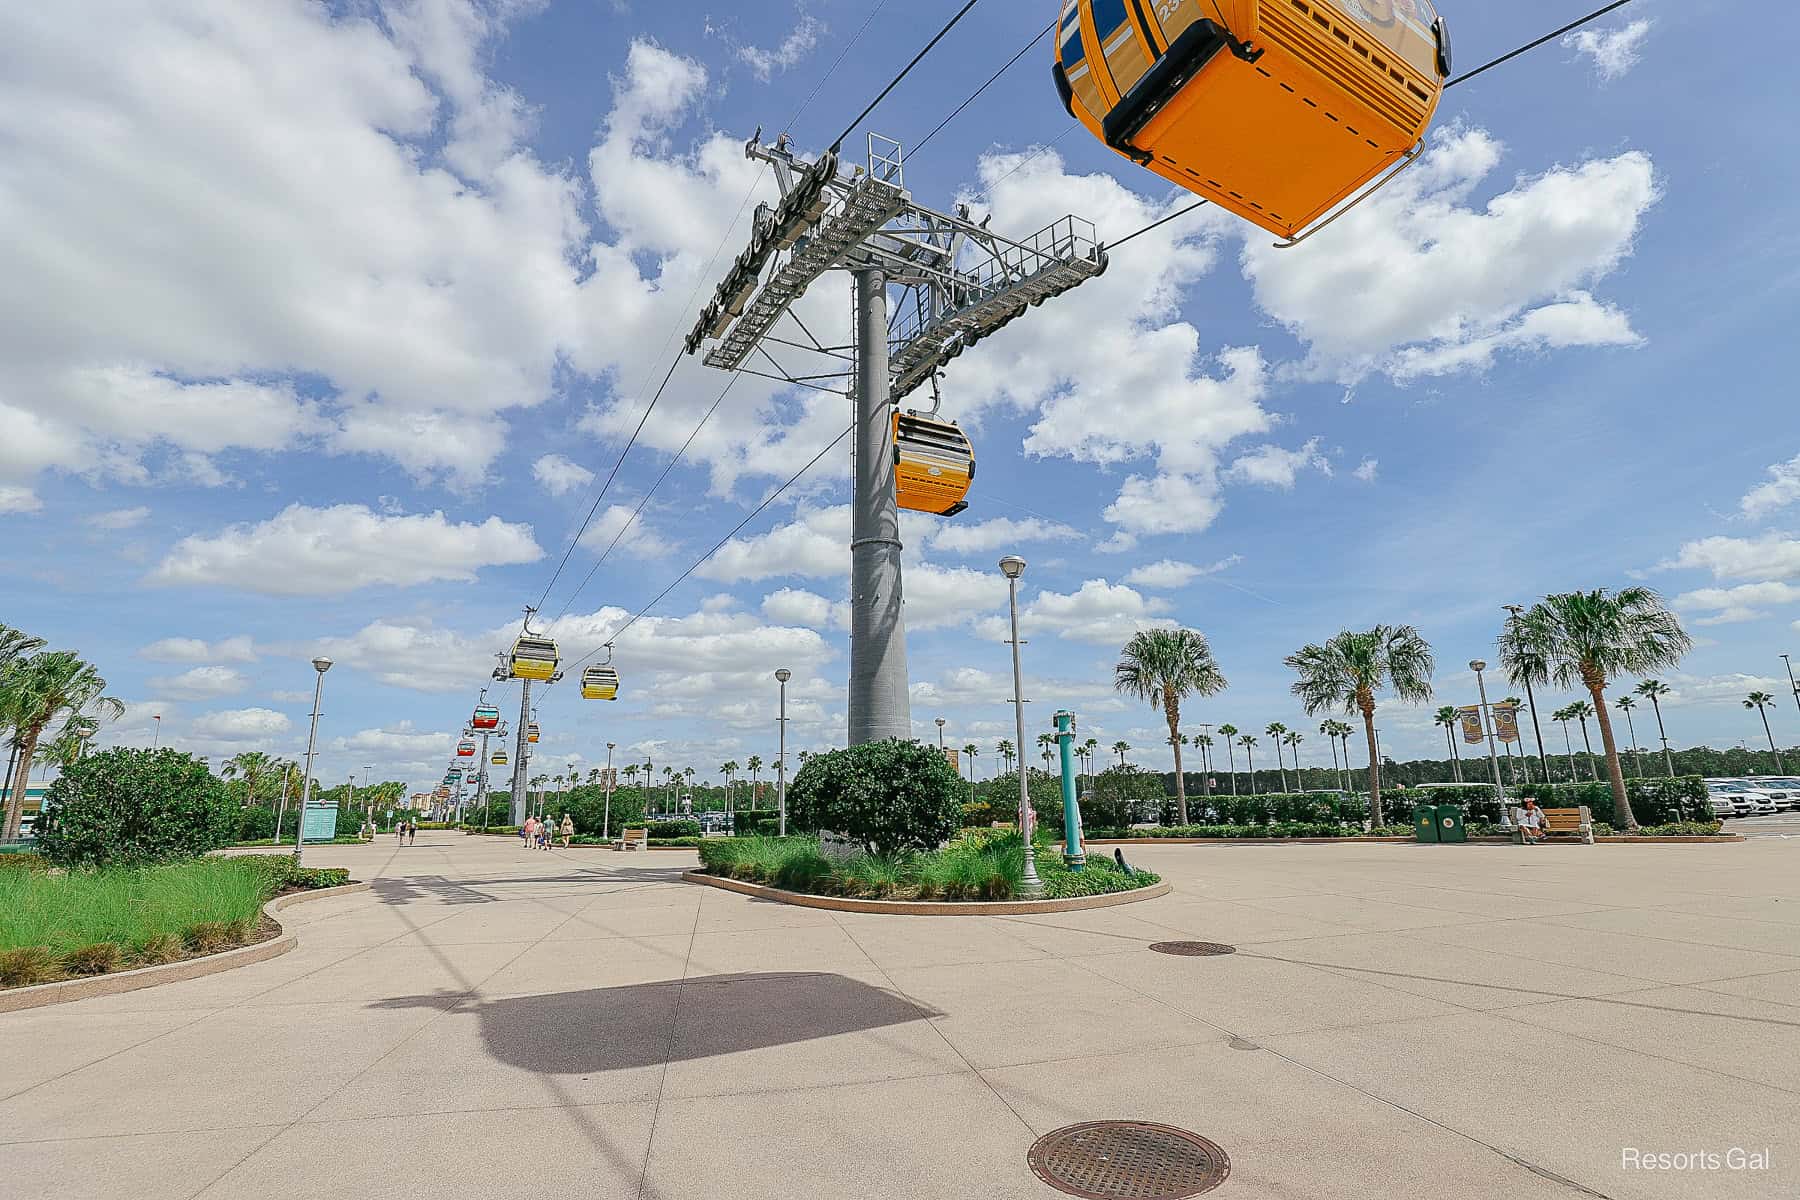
1425	822
1450	827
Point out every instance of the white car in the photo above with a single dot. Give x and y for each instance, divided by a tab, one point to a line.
1784	790
1746	801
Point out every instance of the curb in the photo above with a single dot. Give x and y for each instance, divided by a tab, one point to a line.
927	908
63	991
1156	841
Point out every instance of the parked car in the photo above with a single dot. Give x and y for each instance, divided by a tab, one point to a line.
1752	801
1785	791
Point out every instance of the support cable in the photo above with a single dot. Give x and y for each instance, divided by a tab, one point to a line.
976	94
838	142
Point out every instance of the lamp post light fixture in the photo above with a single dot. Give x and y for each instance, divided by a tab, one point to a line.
1487	727
82	733
782	676
1012	566
320	664
940	725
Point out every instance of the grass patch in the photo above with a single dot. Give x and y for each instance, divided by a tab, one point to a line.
55	924
979	865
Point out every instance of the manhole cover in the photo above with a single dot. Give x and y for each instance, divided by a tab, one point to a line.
1128	1160
1193	949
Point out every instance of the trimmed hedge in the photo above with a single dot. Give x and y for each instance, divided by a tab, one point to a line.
1279	829
889	796
1657	800
130	806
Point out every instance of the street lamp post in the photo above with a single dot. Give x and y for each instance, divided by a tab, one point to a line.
320	664
1537	730
606	815
940	725
1487	726
1012	566
1791	683
156	739
781	677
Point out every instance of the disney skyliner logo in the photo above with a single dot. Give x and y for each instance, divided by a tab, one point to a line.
1735	1159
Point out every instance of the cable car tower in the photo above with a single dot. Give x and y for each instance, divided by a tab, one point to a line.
952	281
533	656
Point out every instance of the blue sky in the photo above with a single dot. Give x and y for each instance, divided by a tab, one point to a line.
324	325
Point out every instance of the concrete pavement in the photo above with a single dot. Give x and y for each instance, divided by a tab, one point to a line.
1399	1021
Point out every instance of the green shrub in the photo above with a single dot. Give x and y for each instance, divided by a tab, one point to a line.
26	965
1657	800
888	796
123	806
1124	794
257	823
95	959
669	829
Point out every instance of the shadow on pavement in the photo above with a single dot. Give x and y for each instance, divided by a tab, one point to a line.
614	1029
402	889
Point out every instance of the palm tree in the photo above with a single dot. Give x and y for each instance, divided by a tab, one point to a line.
630	772
1275	731
1328	730
1592	637
755	764
1625	704
1006	751
14	647
1563	716
39	690
1229	733
1448	717
1087	748
969	751
729	770
1761	701
1164	667
1046	747
1293	738
1348	670
1248	742
253	766
1121	748
1654	690
1581	710
1344	730
1205	742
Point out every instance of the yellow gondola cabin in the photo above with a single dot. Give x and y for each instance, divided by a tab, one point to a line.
600	683
534	657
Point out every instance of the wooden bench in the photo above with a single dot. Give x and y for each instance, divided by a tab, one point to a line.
634	839
1577	823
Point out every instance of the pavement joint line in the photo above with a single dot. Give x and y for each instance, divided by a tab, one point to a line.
662	1083
1651	937
1532	1167
932	1023
423	1025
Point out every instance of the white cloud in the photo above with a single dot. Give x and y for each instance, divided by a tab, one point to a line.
1746	602
1165	504
793	49
816	544
796	606
306	551
634	536
240	726
1458	284
1272	466
19	500
1367	470
1782	489
1102	613
202	683
1613	51
419	657
1770	556
1169	573
237	649
118	518
984	537
559	475
937	597
400	741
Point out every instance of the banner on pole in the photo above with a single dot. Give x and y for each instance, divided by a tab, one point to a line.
953	756
1506	722
1472	730
609	778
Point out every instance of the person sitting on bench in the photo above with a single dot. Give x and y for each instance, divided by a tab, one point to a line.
1531	822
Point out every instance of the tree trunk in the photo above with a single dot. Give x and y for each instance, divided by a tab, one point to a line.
15	800
1663	734
1622	814
1172	711
1771	736
1231	760
1367	703
1593	773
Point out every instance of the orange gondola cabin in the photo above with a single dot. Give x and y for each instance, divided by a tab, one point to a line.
1278	110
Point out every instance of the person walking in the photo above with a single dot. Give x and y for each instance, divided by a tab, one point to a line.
412	831
529	832
567	830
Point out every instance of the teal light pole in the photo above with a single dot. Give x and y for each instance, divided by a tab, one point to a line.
1073	852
